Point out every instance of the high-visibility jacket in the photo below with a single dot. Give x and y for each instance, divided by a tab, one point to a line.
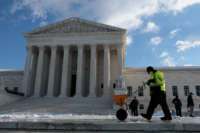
158	77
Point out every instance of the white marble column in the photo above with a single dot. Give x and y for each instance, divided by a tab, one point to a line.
93	67
52	71
39	73
33	71
65	72
106	70
79	71
27	73
119	55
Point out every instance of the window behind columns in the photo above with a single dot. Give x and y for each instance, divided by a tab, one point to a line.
114	85
101	85
174	90
198	90
72	70
186	90
140	91
86	71
129	88
141	106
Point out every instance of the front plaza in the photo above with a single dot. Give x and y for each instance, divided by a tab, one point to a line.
73	65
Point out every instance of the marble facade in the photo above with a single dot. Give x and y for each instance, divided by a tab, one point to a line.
73	58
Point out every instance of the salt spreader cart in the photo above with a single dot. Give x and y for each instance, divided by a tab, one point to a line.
120	98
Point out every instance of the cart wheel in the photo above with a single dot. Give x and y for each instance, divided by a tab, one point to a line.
121	114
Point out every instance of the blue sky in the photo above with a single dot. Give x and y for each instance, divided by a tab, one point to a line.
160	32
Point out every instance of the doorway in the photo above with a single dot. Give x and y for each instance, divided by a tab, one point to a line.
73	85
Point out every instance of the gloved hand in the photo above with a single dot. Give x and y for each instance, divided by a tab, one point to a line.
150	81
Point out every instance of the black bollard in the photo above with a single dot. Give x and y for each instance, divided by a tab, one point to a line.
121	114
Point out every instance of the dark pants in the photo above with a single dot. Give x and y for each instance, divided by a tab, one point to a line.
178	111
156	99
134	112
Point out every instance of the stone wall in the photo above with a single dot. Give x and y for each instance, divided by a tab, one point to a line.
175	76
11	79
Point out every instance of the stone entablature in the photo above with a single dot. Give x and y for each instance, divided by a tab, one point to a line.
76	39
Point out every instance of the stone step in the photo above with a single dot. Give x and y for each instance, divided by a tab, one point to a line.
104	126
59	105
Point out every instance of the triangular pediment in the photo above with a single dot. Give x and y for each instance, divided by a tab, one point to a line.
75	25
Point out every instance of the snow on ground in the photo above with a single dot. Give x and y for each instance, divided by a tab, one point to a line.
48	116
4	70
51	117
184	112
30	116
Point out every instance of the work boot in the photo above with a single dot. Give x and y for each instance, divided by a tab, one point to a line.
145	116
166	118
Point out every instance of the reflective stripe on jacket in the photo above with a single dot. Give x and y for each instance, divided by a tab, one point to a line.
159	80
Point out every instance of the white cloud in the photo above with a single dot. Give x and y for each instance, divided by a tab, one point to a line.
156	40
182	58
129	40
184	45
43	23
127	14
151	27
164	54
173	33
188	65
16	6
109	12
40	9
169	61
177	5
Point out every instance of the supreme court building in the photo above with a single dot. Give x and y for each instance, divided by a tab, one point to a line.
74	58
80	59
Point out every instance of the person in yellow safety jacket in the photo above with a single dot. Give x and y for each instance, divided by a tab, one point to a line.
157	93
157	81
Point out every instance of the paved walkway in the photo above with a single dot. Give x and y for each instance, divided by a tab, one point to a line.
102	125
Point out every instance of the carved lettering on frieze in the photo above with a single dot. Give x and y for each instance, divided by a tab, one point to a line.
76	27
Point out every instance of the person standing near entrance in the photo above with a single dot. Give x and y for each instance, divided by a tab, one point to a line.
190	104
134	106
178	105
158	94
